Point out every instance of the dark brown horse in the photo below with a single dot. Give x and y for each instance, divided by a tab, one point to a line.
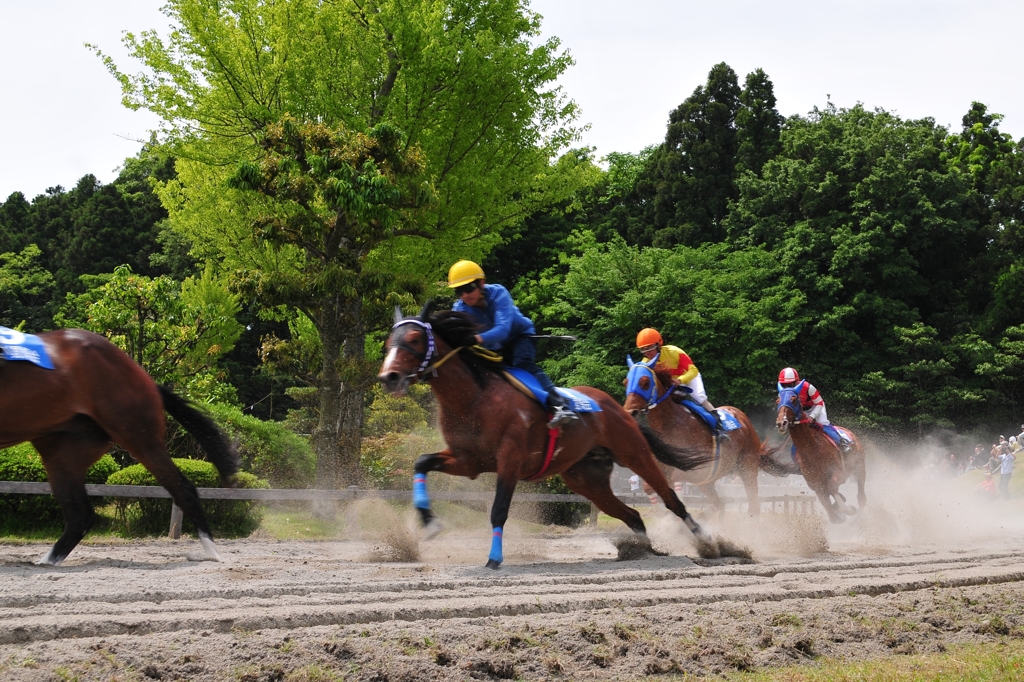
93	397
489	426
742	453
822	464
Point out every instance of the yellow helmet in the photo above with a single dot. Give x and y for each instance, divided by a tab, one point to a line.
464	272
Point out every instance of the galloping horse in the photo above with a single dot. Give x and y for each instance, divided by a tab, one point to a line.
823	466
490	426
742	452
95	396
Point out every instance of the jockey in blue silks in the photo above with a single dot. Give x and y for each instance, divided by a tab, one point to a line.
505	329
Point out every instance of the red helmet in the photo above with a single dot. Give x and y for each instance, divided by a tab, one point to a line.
788	376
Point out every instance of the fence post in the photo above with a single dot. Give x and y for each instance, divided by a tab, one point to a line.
175	531
593	515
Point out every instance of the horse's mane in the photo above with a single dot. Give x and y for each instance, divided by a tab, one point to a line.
459	329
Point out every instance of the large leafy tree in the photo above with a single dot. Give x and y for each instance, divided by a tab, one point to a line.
175	330
466	81
333	196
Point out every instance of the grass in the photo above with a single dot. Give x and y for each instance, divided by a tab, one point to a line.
988	662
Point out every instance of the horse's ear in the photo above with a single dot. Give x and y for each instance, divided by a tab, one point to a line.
428	308
629	361
398	314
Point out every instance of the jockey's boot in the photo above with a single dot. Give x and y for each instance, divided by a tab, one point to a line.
720	431
561	412
845	444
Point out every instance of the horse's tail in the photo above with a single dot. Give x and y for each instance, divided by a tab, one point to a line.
772	466
213	441
684	459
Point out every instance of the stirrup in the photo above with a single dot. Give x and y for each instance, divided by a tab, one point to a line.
561	416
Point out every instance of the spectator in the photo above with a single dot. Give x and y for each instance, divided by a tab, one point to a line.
1004	446
977	460
1006	462
993	460
987	488
634	484
1015	444
1021	434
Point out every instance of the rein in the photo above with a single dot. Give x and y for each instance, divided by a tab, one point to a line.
426	366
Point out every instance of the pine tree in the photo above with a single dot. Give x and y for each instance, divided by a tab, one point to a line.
758	123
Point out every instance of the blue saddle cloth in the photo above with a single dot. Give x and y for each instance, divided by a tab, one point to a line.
18	346
729	422
578	401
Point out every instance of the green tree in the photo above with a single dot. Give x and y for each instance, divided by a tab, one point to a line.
175	330
734	312
334	197
758	124
467	82
692	172
24	286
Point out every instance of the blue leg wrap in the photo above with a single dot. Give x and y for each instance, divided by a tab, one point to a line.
420	499
496	554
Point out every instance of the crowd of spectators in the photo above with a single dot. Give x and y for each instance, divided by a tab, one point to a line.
997	461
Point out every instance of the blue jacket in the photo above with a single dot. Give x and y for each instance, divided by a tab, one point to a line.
500	317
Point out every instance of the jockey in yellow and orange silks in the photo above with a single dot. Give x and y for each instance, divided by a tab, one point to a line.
674	361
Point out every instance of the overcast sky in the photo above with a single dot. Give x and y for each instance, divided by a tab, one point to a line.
61	116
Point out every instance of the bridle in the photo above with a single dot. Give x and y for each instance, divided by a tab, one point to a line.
633	384
790	398
426	366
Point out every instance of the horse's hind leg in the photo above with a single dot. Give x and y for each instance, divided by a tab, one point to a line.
182	491
591	477
67	457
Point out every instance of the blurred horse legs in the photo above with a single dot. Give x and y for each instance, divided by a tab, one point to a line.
590	477
67	456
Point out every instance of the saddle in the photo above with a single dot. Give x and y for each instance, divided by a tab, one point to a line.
527	384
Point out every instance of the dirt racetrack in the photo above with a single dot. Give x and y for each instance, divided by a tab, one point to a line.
905	576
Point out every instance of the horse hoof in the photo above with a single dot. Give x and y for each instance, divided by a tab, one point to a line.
432	528
492	564
209	548
48	560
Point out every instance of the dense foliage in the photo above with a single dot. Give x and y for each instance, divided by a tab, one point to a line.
22	463
251	255
151	515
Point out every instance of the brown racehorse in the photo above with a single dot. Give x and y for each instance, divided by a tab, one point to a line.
823	466
489	426
96	396
743	452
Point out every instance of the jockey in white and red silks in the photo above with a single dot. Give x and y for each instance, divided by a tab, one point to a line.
812	404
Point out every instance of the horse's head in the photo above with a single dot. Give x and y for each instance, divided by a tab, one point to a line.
641	385
410	349
789	411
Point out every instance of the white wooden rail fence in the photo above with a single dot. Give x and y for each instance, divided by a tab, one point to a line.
785	504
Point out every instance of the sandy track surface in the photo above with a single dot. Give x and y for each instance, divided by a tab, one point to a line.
562	606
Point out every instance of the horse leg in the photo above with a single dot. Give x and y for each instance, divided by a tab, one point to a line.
748	474
591	478
445	462
499	515
182	491
644	465
67	457
711	493
860	473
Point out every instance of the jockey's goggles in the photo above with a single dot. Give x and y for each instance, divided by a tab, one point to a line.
466	288
648	349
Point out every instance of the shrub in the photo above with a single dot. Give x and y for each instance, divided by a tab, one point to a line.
22	463
267	448
151	516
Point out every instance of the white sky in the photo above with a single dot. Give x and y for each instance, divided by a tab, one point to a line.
635	61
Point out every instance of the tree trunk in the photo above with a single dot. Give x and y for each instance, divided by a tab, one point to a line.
337	439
